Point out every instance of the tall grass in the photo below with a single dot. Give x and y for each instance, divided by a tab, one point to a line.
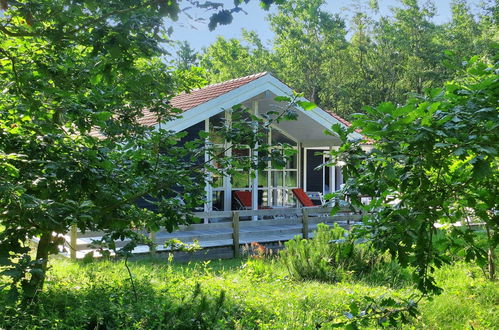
254	293
332	255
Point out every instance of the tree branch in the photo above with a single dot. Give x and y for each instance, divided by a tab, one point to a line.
17	34
85	25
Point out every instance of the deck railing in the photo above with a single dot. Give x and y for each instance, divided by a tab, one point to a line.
234	228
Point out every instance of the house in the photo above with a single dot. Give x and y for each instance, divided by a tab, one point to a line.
205	108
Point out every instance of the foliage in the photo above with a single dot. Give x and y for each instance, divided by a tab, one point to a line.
433	162
307	37
244	58
186	57
78	79
85	295
343	64
387	311
177	245
330	256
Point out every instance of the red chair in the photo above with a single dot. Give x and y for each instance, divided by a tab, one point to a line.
243	198
303	198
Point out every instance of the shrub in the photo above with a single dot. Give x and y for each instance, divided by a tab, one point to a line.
106	306
332	255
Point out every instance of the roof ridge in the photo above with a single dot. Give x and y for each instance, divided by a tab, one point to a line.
338	117
254	75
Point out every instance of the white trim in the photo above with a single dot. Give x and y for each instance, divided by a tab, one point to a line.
244	93
305	167
298	159
254	185
332	176
323	174
208	205
227	178
270	198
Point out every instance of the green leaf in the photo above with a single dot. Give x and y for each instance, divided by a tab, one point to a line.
203	134
103	115
354	308
306	105
10	169
114	51
282	99
96	78
441	145
481	169
386	107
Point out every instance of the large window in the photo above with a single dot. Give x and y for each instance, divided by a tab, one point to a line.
282	180
274	183
219	146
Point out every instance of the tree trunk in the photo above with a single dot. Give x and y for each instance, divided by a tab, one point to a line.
492	266
42	254
490	256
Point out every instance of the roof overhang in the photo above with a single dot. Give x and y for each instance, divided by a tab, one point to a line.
318	120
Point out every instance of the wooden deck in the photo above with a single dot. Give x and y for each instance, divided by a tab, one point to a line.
231	229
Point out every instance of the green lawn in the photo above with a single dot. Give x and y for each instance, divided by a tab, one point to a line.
256	294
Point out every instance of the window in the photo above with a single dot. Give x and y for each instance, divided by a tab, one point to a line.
216	123
282	180
274	183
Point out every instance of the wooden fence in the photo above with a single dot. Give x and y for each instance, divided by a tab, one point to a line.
232	228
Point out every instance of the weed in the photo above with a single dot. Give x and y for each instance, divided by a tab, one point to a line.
330	256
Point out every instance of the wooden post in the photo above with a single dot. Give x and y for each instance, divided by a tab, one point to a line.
235	233
304	218
73	242
152	248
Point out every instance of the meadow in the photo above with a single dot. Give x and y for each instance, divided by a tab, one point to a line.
239	294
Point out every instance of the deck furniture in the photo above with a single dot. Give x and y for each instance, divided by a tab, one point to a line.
302	197
316	197
243	198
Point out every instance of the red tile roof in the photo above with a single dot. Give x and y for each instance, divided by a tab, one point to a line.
186	101
195	97
348	124
338	118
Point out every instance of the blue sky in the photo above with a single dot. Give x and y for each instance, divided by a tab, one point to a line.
198	35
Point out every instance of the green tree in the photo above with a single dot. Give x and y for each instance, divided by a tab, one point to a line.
384	59
414	37
77	77
434	161
229	59
186	56
307	37
368	68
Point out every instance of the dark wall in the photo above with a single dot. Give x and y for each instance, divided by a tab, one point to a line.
193	132
315	178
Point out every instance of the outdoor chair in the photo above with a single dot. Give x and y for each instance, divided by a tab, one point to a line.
316	197
303	198
243	198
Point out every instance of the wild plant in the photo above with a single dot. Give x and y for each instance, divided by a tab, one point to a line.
331	255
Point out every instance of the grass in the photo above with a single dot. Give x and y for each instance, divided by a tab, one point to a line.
237	294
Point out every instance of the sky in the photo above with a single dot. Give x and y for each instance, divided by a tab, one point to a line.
198	35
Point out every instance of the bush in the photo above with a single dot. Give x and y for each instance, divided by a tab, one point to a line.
330	256
104	306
